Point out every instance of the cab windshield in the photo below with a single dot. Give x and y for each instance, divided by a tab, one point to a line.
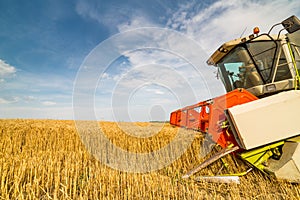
252	64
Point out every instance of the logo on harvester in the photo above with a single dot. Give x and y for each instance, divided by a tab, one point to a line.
133	77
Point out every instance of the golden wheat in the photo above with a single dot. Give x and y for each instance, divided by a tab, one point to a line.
45	159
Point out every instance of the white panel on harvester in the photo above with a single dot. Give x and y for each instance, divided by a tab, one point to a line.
266	120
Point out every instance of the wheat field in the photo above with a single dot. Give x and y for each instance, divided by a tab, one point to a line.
45	159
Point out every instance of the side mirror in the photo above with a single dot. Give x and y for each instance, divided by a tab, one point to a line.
291	24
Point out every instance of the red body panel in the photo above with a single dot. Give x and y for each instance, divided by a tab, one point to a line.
207	116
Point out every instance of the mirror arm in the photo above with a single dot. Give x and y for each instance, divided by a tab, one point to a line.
273	27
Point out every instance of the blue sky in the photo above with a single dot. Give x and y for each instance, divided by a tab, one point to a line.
44	45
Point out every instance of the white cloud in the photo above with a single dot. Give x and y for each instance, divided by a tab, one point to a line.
49	103
210	26
3	101
123	19
6	70
136	22
9	100
105	76
155	91
226	20
29	98
155	56
158	57
87	10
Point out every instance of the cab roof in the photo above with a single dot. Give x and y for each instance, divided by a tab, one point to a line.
228	46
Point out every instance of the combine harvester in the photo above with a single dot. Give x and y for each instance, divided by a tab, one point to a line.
257	119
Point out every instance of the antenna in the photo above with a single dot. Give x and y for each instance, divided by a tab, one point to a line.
243	31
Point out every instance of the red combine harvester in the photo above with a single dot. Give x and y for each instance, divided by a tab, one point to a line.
258	117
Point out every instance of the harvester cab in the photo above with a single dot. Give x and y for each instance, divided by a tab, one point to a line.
258	116
263	64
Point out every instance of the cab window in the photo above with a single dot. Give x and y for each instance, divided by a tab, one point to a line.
238	71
